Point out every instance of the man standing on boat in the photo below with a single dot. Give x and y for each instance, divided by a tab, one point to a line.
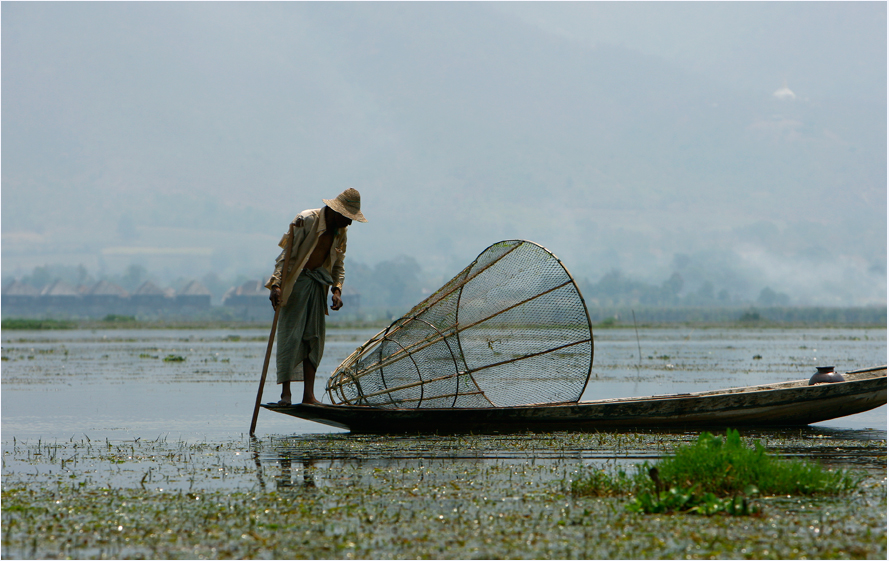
316	264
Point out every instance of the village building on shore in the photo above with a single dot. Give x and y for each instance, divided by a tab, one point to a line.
60	300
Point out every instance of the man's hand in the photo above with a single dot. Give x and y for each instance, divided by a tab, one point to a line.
275	297
337	302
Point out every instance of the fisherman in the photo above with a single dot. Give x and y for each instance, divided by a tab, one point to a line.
316	264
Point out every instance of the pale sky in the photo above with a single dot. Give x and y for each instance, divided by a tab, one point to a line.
184	136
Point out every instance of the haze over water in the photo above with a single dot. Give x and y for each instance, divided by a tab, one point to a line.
740	144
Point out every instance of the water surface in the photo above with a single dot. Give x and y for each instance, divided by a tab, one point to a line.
117	384
129	455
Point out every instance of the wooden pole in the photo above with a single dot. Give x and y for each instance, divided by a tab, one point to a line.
268	351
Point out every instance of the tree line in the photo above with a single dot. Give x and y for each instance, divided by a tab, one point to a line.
393	286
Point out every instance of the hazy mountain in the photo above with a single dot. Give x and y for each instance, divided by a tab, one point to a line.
644	138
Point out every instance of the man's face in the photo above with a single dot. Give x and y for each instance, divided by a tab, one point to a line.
337	219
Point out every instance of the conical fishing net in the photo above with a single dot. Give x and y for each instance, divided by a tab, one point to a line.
509	329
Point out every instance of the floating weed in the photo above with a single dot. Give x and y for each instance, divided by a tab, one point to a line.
344	496
714	475
340	496
729	465
601	483
686	501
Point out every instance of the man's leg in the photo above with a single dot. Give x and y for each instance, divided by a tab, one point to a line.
309	382
285	392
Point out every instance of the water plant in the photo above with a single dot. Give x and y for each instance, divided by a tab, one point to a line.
174	358
601	483
683	500
348	496
728	466
715	475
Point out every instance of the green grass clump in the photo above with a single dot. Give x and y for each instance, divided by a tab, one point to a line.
600	483
715	475
34	324
728	466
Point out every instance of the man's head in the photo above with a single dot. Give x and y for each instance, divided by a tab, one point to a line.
348	206
335	220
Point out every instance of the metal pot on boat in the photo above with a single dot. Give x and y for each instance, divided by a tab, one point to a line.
826	375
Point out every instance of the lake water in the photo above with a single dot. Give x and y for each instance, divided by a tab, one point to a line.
116	384
99	430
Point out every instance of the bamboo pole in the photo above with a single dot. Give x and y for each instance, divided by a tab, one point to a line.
268	351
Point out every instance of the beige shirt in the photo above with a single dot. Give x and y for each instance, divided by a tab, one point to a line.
305	238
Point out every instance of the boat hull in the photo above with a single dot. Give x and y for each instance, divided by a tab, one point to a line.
786	404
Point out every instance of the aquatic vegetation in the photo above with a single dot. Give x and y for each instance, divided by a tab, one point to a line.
338	496
714	475
730	465
685	501
341	496
174	358
165	475
601	483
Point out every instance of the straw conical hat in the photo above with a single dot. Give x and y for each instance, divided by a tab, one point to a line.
347	203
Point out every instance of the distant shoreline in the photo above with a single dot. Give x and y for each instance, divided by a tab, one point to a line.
601	318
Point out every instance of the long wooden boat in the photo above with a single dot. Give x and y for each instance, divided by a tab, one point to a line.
781	404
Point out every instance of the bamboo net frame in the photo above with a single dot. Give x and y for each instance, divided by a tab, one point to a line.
510	329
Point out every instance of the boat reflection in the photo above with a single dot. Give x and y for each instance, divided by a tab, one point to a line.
307	463
286	479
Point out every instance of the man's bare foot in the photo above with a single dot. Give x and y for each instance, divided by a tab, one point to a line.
310	400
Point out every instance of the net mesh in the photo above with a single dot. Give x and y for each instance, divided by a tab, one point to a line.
509	329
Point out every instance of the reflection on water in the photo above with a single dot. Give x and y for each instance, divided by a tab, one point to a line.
106	406
309	462
506	464
286	481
